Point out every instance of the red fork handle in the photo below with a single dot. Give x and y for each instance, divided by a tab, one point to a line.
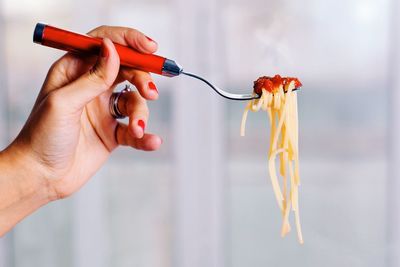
83	44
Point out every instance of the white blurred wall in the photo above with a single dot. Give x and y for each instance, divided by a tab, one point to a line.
205	198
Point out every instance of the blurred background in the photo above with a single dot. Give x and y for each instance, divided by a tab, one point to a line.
205	198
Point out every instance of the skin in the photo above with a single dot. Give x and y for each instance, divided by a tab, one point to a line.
70	134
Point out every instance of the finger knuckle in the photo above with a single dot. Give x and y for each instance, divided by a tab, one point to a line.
144	109
140	112
53	97
53	66
54	101
136	104
133	32
98	76
98	30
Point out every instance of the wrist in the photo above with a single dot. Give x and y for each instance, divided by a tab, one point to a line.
22	190
24	175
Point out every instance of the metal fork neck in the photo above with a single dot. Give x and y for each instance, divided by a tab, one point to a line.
222	92
172	69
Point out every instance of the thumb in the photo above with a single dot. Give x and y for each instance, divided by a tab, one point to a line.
97	80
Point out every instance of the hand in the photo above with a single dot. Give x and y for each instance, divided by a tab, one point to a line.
70	133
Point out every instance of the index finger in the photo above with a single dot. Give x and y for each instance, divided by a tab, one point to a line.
126	36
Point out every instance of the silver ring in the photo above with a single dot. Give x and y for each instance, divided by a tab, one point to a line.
113	106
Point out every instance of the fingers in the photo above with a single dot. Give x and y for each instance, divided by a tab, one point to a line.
97	80
126	36
134	106
70	67
149	142
140	42
142	81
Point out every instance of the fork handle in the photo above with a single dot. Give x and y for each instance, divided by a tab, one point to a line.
83	44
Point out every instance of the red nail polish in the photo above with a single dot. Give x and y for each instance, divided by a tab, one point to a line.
152	86
148	38
141	124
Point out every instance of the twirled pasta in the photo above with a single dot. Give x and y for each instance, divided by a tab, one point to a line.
280	102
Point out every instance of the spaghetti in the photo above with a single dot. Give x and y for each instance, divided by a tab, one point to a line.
279	100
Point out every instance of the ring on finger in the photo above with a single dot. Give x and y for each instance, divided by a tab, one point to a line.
113	104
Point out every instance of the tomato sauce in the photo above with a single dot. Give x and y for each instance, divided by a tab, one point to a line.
272	84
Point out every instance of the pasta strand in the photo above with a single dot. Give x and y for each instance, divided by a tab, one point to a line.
281	107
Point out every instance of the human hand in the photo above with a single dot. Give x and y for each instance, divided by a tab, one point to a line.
70	133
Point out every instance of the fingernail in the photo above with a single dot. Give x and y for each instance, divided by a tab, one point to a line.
103	51
151	40
141	124
152	86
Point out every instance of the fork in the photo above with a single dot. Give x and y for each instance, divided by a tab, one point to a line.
83	44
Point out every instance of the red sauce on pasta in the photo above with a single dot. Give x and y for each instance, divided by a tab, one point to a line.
272	84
